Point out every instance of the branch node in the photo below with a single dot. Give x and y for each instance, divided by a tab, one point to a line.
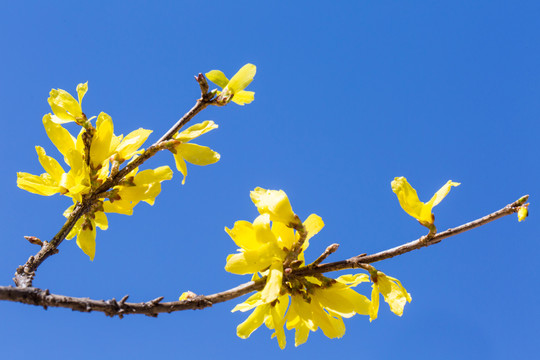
122	302
156	301
202	302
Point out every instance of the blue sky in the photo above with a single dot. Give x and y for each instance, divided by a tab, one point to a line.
348	96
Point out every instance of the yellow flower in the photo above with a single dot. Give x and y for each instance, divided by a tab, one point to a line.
144	186
523	212
319	307
105	144
393	292
276	204
85	230
233	90
193	153
263	248
129	146
74	183
272	315
65	107
408	199
326	308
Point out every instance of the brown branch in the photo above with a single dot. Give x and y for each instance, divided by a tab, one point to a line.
426	240
25	273
39	297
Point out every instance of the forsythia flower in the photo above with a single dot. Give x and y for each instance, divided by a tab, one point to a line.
393	292
65	107
193	153
265	248
322	306
89	167
523	212
408	199
326	307
272	315
144	186
74	183
304	304
233	90
276	204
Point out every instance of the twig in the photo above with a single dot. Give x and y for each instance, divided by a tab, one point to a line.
329	250
353	262
25	273
35	296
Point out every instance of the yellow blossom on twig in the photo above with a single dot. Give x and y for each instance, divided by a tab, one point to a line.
65	107
196	154
409	201
233	90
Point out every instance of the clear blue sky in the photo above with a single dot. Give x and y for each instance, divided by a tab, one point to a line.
348	96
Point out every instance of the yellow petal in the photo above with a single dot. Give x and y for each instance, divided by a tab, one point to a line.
51	166
242	78
217	77
250	261
408	198
278	322
441	194
64	106
81	91
312	225
131	143
243	235
147	185
119	207
251	302
243	97
261	226
197	154
86	240
523	212
41	185
180	165
275	203
353	280
284	234
101	220
101	148
332	327
374	305
394	293
196	130
60	137
342	300
149	176
254	320
273	283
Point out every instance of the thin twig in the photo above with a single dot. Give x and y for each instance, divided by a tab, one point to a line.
25	273
35	296
329	250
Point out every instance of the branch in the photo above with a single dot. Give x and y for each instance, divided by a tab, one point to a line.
39	297
25	273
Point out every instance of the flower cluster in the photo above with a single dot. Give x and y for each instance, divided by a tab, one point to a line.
89	157
272	246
